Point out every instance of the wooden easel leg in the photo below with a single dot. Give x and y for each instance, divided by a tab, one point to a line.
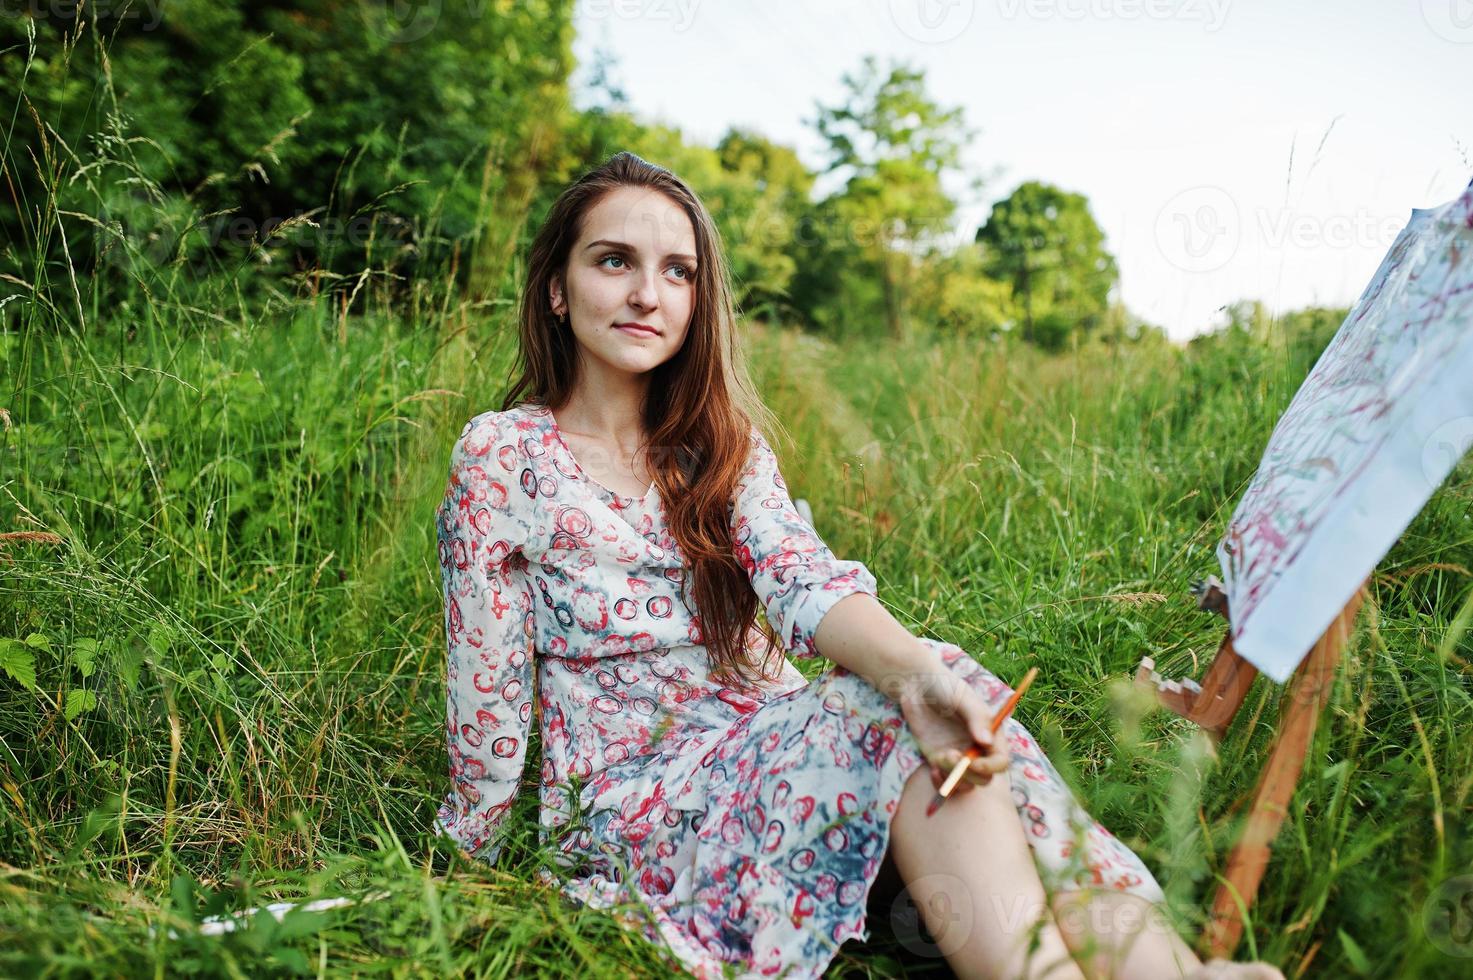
1309	689
1212	703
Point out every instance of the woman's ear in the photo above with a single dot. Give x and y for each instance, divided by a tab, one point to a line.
555	295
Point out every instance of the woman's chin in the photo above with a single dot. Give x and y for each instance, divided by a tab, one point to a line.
636	365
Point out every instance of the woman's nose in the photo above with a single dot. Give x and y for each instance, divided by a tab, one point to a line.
644	294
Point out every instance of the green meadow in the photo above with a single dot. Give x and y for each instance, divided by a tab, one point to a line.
221	644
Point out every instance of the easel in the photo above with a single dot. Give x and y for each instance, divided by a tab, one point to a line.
1212	705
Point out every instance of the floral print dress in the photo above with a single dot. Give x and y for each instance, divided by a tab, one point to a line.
745	828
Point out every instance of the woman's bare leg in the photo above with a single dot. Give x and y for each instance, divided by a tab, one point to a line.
1119	936
969	870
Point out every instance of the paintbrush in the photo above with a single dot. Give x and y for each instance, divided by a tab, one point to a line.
974	751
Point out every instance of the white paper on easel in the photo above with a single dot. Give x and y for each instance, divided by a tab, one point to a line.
1382	419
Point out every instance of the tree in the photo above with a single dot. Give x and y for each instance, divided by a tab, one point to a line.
759	208
194	129
896	143
1046	244
959	296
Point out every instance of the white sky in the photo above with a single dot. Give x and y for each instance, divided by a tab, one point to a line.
1176	118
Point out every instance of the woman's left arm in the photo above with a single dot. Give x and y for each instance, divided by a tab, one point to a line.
819	604
861	635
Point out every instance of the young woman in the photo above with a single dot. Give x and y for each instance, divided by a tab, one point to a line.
608	535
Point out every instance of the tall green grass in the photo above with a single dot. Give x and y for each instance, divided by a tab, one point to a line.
229	589
221	652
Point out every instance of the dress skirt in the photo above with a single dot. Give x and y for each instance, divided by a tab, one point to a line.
757	859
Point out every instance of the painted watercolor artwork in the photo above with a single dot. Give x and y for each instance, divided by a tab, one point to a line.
1377	426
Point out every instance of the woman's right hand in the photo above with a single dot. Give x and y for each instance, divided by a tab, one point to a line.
947	716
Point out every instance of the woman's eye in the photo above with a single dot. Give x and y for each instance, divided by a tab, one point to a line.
688	272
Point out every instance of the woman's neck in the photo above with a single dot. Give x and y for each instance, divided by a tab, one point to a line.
611	416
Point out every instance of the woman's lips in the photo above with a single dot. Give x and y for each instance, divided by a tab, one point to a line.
635	331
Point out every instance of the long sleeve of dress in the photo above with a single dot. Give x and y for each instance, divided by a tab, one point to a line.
481	526
795	575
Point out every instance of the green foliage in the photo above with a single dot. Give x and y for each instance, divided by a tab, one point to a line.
18	659
289	135
759	207
954	292
1046	244
837	284
895	144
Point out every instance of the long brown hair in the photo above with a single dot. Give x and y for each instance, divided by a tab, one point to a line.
699	412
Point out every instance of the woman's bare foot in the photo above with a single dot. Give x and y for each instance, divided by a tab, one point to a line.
1227	970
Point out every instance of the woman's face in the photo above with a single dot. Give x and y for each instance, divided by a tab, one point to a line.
633	263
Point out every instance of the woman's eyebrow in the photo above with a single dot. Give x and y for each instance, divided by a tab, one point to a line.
629	248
